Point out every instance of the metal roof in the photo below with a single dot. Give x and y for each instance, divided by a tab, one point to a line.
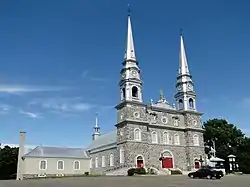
103	140
57	152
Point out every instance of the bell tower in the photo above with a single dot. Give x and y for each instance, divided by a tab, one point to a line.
185	97
130	82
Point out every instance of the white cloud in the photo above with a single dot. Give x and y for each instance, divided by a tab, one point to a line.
30	114
60	104
17	89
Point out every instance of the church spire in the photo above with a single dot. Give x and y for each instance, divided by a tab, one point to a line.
130	82
185	96
183	66
130	49
96	128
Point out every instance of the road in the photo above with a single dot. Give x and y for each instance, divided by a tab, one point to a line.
140	181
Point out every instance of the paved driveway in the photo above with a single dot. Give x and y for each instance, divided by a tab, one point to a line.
167	181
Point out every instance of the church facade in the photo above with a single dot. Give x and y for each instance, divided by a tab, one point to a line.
157	134
147	132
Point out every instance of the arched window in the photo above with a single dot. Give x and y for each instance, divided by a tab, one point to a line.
180	103
176	139
60	165
137	134
154	137
191	103
124	93
165	138
134	91
103	161
196	140
121	155
96	162
111	159
76	165
43	165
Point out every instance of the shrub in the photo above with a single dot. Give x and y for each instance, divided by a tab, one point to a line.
176	172
140	171
131	171
151	171
86	173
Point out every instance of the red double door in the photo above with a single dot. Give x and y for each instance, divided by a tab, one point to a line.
167	162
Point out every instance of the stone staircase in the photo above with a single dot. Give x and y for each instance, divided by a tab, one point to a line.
118	171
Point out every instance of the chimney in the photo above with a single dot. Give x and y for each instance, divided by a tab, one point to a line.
20	164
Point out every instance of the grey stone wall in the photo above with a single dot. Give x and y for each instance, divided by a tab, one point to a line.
105	153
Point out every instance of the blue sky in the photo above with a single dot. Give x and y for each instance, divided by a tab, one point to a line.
60	62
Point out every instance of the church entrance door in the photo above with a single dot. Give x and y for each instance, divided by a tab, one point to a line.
139	161
196	164
167	162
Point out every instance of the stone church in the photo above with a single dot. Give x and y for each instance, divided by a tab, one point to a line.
144	132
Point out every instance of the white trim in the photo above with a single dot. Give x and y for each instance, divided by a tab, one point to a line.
167	138
96	162
156	137
40	164
198	140
142	159
58	164
75	165
91	163
103	161
177	135
121	155
138	134
111	160
172	156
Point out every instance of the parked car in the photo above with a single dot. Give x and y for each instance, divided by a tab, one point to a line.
206	173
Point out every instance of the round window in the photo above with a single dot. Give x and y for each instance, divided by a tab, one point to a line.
164	120
136	114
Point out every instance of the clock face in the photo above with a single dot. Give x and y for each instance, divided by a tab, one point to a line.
189	86
134	73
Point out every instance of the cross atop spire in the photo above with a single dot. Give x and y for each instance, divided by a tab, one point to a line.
129	10
183	66
130	49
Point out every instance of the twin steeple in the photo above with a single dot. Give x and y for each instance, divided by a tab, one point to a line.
130	83
185	96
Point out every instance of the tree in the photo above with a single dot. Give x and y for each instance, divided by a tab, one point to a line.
228	140
8	162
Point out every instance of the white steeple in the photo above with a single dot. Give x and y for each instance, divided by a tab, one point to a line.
96	128
183	66
130	50
185	96
130	83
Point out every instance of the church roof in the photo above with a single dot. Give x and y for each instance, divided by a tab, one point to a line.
57	152
103	140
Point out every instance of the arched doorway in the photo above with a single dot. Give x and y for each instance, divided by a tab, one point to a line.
167	159
139	161
196	164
